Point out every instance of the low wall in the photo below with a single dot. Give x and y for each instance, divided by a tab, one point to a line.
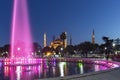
110	64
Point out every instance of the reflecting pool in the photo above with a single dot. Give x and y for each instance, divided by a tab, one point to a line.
46	69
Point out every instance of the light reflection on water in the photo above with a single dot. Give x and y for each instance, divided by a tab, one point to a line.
62	68
80	66
46	69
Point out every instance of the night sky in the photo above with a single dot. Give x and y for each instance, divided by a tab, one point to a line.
76	17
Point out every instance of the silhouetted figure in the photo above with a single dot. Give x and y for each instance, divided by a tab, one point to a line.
107	56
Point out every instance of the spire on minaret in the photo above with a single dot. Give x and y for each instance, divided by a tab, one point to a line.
45	42
53	38
70	40
93	37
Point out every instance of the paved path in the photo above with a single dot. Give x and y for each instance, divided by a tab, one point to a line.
109	75
113	74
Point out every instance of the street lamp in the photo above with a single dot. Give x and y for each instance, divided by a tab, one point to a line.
61	49
105	48
113	45
105	52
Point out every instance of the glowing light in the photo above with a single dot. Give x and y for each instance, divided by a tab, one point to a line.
20	33
61	67
115	65
23	61
80	65
6	71
97	67
18	49
48	54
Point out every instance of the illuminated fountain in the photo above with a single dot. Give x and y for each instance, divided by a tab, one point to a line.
21	55
21	50
21	41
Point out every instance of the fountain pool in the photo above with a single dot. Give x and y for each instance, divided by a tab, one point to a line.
51	67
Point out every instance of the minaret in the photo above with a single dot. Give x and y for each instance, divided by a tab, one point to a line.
93	37
65	40
45	40
63	37
70	40
53	37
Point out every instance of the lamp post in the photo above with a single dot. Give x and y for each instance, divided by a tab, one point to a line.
114	47
61	49
105	52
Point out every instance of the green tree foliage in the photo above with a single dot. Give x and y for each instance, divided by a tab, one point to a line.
108	44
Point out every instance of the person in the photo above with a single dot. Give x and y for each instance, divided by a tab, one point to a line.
107	56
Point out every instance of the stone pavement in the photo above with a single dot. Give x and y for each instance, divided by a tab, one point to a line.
105	75
112	74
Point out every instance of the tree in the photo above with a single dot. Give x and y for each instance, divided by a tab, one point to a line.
6	51
105	39
37	49
70	49
108	46
46	49
58	49
87	47
63	37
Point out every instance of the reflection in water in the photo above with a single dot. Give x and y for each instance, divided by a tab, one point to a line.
54	67
18	72
100	67
61	67
53	71
80	66
96	67
6	70
40	70
46	69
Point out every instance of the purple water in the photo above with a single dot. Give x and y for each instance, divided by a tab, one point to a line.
47	69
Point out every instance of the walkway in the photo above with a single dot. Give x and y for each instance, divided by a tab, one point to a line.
105	75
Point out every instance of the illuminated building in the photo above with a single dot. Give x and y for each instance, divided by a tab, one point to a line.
93	38
56	43
61	41
63	37
45	40
65	40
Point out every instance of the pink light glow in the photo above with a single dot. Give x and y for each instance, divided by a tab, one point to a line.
21	42
20	61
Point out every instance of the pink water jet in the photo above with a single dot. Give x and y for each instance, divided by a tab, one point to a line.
21	41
